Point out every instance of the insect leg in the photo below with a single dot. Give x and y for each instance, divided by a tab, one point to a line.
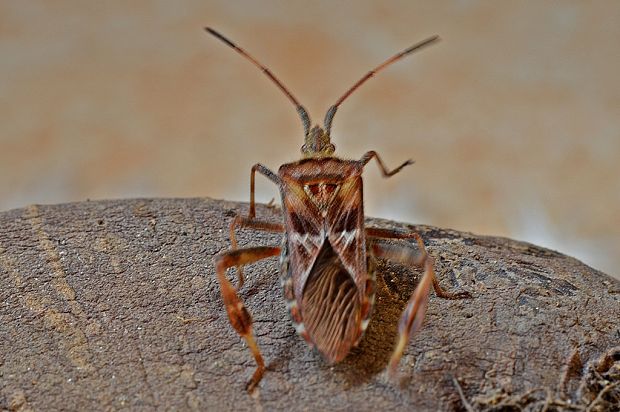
239	317
380	233
240	221
413	315
269	175
386	173
250	222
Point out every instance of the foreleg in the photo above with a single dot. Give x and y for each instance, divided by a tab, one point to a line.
386	173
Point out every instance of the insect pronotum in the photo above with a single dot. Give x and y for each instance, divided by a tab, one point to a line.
327	255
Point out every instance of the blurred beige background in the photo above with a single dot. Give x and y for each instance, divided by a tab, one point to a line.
513	119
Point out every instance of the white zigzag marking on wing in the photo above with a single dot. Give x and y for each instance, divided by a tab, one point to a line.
348	236
314	243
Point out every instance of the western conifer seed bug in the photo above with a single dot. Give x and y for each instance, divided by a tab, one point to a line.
327	255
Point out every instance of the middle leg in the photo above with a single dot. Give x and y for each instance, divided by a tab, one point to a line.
253	223
250	221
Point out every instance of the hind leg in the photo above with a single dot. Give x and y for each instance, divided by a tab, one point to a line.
395	252
413	315
238	315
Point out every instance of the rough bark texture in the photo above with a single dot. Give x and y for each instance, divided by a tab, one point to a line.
114	305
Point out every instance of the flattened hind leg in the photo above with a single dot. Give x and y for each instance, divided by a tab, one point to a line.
417	259
413	315
239	317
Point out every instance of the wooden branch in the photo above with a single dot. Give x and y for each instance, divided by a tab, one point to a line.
114	304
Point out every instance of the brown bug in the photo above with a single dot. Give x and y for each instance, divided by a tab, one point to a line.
327	256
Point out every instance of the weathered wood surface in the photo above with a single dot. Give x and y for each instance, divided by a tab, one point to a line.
114	305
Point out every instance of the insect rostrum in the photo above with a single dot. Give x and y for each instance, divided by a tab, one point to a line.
327	255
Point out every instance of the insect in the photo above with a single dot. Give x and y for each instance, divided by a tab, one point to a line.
327	255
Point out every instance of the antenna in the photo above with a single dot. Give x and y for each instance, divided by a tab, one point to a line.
305	119
329	117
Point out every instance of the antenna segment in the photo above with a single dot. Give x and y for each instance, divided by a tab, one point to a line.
305	119
329	117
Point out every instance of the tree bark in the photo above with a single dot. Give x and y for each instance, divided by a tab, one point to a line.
113	305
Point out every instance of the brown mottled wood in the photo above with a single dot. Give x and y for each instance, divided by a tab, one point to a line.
115	304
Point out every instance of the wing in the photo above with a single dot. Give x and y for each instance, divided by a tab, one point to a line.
345	220
333	297
331	306
328	259
304	231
